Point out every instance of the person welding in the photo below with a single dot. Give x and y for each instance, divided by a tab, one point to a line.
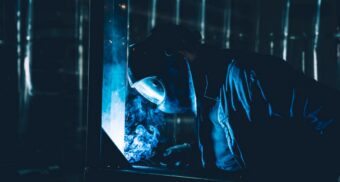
255	113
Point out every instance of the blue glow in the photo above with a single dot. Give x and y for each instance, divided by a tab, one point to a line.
114	88
113	105
192	91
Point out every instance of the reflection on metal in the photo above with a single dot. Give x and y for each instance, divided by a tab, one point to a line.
271	44
178	6
285	29
227	24
257	30
153	13
316	40
202	25
303	62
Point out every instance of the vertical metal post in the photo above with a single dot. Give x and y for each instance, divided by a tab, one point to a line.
285	29
227	24
202	25
316	39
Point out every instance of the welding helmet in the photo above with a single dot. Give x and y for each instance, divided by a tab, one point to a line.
159	73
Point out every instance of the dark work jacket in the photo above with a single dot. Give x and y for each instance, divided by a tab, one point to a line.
257	114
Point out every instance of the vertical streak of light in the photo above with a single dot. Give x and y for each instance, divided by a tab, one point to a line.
271	44
227	24
126	69
285	29
24	62
258	21
128	24
202	25
127	43
303	61
338	51
153	13
79	35
338	57
28	55
178	6
192	90
316	40
19	43
80	48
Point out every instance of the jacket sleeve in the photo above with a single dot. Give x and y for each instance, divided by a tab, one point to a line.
274	112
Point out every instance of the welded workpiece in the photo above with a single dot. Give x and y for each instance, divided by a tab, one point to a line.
114	89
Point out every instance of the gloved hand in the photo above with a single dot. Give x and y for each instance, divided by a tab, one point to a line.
178	156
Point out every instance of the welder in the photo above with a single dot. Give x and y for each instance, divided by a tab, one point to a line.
255	113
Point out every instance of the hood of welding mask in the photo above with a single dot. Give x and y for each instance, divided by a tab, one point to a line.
162	78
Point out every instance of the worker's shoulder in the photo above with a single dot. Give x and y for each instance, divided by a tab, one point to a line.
257	61
248	56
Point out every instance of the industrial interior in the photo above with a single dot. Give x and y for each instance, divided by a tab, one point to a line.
71	112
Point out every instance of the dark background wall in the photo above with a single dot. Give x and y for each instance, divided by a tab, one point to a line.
43	57
43	89
258	26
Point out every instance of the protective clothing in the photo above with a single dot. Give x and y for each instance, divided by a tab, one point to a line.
256	112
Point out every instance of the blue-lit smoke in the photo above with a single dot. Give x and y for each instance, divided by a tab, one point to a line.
140	144
143	122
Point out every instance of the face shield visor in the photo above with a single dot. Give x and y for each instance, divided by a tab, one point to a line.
163	79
